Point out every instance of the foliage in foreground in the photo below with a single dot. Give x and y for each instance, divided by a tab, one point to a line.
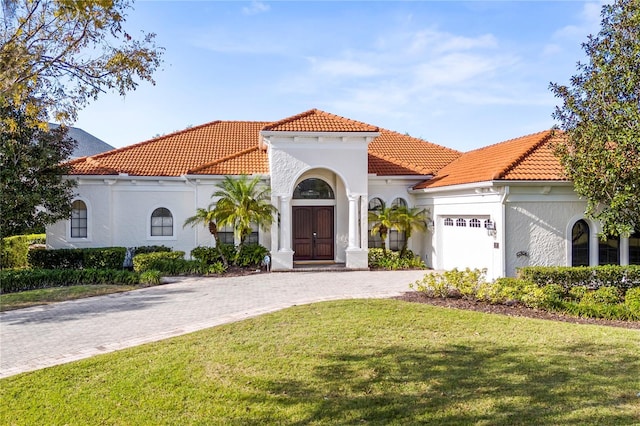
246	255
325	364
608	302
392	260
601	117
14	250
33	192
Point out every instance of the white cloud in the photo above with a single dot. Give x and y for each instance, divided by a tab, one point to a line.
255	8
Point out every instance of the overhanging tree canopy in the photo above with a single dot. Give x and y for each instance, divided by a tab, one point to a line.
601	117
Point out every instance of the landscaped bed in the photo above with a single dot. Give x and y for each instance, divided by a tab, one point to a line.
349	362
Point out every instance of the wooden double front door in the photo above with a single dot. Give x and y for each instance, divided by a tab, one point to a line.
313	236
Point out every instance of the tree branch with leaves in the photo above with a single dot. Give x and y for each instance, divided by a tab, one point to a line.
600	116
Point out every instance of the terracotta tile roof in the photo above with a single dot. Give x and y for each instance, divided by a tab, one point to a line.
526	158
393	153
319	121
232	147
254	159
178	153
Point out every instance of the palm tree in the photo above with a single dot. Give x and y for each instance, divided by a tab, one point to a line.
241	202
383	220
409	219
207	218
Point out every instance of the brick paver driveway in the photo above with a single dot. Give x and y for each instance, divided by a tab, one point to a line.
43	336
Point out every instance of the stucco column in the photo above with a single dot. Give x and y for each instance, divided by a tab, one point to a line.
624	250
353	222
594	247
285	223
364	223
275	226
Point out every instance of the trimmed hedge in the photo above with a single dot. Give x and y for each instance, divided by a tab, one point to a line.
16	280
392	260
14	250
249	255
155	261
623	277
86	258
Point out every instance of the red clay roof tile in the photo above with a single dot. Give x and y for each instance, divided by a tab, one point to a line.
232	147
526	158
315	120
411	156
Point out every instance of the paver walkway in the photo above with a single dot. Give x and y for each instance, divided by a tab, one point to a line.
43	336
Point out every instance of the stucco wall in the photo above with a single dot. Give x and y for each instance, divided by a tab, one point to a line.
536	227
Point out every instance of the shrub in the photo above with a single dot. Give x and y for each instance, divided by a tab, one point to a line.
251	255
149	261
604	295
577	293
151	249
14	250
208	255
452	283
217	268
624	277
432	284
12	281
150	277
503	290
392	260
103	258
87	258
632	302
56	259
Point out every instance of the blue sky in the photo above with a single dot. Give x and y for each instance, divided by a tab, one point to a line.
460	74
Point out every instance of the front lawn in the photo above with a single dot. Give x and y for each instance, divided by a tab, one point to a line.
349	362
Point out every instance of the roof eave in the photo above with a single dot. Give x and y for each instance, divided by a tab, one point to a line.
489	184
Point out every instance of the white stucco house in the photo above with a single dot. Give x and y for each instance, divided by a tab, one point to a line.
499	207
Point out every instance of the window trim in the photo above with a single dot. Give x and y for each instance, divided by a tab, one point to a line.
172	237
89	236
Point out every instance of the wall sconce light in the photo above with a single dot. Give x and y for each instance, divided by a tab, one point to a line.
430	225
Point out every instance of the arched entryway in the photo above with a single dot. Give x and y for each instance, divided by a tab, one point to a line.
313	221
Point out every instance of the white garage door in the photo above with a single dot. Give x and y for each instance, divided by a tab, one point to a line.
465	243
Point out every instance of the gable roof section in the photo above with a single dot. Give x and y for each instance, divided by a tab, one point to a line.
315	120
526	158
394	154
210	144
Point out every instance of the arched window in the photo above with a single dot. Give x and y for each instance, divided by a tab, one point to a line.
580	244
314	189
475	223
397	238
448	222
375	204
399	202
78	219
634	248
461	222
161	223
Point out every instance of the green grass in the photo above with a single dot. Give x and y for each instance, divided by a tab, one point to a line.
29	298
349	362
